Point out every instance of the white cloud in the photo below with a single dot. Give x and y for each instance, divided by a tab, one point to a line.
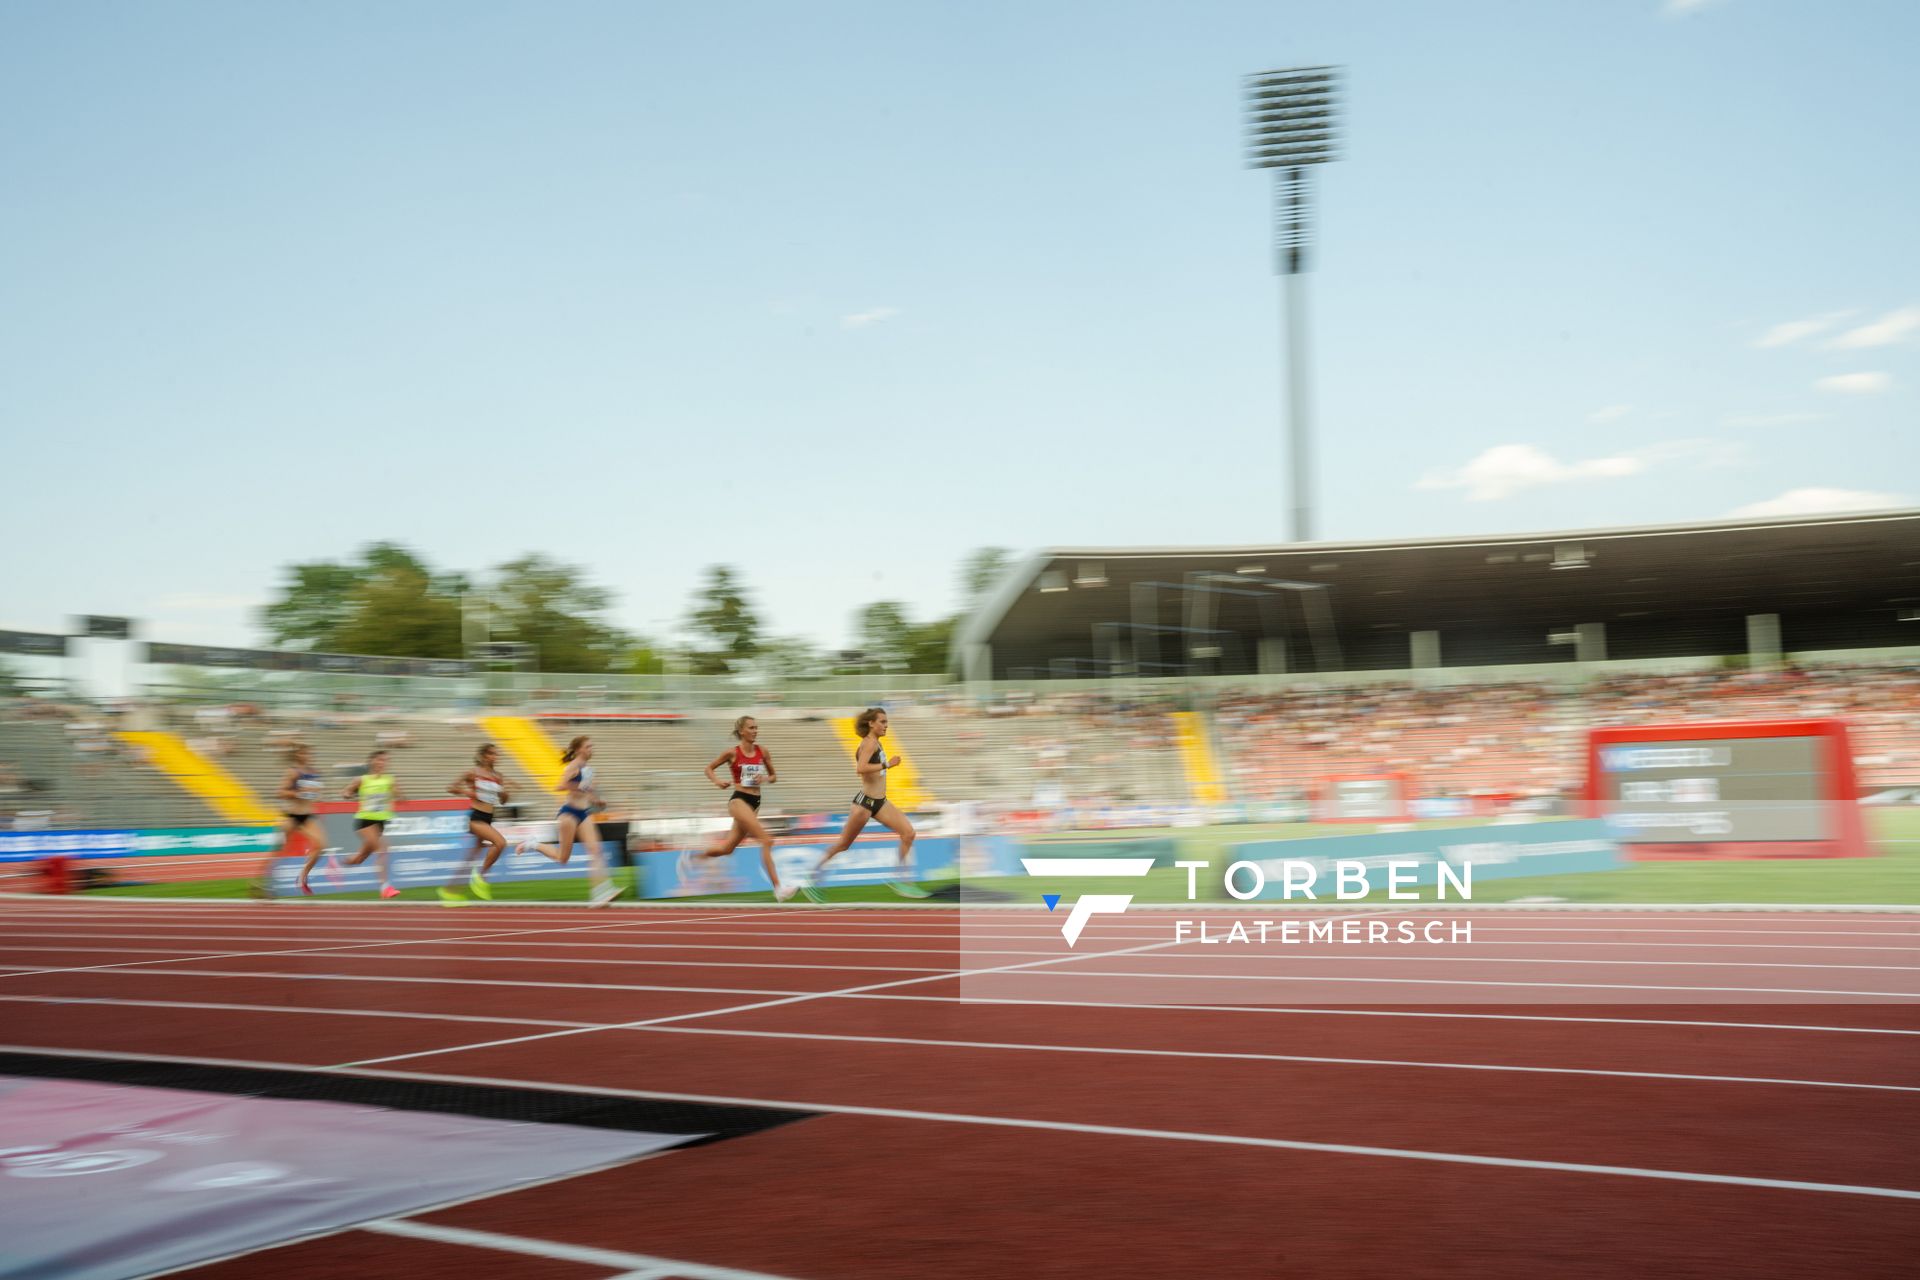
1612	413
1855	384
1888	329
1808	502
1771	419
1793	330
1507	469
866	319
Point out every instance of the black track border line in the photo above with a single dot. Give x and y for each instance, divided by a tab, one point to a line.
699	1123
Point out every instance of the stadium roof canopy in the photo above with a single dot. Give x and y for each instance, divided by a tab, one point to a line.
1832	582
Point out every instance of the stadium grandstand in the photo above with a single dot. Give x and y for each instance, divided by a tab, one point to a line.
1110	686
1748	588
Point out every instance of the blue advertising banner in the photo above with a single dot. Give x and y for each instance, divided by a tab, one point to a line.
867	862
31	846
1497	852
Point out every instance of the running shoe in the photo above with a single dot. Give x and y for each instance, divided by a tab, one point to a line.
481	889
814	893
603	893
331	865
305	888
906	890
784	891
388	891
452	897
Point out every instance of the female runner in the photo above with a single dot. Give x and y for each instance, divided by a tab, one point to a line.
575	820
871	763
487	791
751	768
377	792
299	790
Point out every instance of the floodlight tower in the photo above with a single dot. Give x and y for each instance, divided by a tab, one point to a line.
1292	126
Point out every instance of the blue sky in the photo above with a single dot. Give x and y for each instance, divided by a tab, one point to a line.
836	292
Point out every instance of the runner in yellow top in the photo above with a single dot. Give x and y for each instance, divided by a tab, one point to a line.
377	792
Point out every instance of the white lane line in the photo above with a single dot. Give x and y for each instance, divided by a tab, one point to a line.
763	1004
6	945
636	1266
1070	958
1890	996
1327	1011
994	1045
968	935
1433	958
277	975
358	946
1237	1140
966	929
286	1008
1050	1126
1705	913
1304	1059
1416	951
597	962
933	972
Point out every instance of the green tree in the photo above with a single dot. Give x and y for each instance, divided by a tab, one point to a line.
930	645
315	602
980	570
644	657
399	612
884	634
387	602
888	636
788	657
553	607
725	620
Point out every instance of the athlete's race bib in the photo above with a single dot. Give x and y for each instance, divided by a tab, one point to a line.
752	775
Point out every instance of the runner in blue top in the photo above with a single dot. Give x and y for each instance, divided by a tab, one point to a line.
575	820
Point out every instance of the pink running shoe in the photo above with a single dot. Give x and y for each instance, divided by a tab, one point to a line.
388	891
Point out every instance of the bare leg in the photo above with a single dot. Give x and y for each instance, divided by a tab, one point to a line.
494	843
596	860
562	849
747	823
895	821
727	846
856	822
369	845
310	832
284	851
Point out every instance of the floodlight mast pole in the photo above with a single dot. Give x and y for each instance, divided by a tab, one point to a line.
1290	127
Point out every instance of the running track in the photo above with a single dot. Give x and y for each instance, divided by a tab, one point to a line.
1575	1094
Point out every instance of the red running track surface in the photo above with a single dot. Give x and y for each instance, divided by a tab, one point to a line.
1426	1132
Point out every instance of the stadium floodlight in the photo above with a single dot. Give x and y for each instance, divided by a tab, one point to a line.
1293	125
